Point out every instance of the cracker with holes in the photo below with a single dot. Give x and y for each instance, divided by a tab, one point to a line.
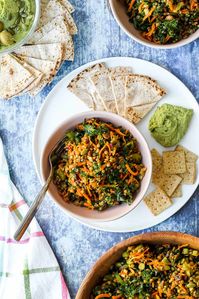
189	176
174	162
178	192
168	183
157	163
189	156
157	201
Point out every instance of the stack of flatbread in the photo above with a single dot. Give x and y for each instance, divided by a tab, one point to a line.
34	65
117	90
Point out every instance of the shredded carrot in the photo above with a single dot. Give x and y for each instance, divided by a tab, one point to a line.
131	171
102	296
152	30
115	130
141	7
184	11
131	5
80	163
116	297
152	19
125	176
149	13
193	4
87	197
88	205
107	144
103	148
171	6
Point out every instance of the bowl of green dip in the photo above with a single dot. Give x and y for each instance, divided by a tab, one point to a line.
18	21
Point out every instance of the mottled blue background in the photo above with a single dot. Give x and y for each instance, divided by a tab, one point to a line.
76	246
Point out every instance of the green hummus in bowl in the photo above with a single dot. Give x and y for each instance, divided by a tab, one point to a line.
18	20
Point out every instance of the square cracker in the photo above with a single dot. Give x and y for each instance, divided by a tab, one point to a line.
189	176
157	163
157	201
177	192
189	156
168	183
174	162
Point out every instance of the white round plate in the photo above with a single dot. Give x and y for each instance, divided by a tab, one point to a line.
61	104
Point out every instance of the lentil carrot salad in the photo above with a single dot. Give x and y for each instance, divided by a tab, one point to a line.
100	167
164	21
152	272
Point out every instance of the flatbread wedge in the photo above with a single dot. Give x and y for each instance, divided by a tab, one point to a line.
137	113
103	87
83	87
47	67
55	31
68	5
65	3
55	9
142	92
52	52
118	76
38	74
14	77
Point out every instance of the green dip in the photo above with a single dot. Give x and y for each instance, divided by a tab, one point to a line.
16	19
169	124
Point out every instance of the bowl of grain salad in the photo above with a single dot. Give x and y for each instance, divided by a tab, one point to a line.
162	24
105	167
152	265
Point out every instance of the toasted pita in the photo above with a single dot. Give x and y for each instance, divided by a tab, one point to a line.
52	52
33	70
83	87
65	3
137	113
47	67
68	5
103	87
54	9
118	77
142	90
56	31
38	74
14	77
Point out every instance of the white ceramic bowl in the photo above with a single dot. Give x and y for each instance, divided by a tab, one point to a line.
110	213
28	35
119	13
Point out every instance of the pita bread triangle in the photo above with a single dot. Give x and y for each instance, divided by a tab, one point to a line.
84	89
55	31
118	76
142	90
14	77
137	113
55	9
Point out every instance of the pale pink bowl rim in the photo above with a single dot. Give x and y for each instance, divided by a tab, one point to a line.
143	41
100	115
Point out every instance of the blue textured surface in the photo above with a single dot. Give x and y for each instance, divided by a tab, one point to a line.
76	246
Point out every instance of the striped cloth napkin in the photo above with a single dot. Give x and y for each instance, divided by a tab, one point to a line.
28	268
